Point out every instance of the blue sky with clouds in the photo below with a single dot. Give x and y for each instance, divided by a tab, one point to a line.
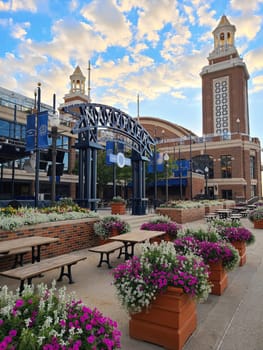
154	48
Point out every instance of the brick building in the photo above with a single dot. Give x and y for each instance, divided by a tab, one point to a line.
228	158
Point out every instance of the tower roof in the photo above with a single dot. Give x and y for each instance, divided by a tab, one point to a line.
77	72
224	21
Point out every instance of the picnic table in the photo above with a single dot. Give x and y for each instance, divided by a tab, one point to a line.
136	236
35	242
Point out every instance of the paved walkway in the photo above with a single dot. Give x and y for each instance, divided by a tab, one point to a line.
233	321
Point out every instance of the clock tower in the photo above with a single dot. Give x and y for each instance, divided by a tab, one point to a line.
224	86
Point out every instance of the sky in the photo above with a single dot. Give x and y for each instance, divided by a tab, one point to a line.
152	48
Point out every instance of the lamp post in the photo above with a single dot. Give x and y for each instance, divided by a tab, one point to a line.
206	178
37	110
191	170
54	122
155	170
166	159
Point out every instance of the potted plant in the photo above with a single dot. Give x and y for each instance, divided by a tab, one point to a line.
109	225
256	216
43	318
118	205
159	289
220	255
163	223
239	237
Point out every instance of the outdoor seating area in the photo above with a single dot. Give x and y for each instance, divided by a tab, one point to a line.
233	213
94	285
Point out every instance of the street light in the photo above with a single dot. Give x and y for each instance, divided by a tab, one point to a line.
37	94
155	170
206	178
54	122
166	159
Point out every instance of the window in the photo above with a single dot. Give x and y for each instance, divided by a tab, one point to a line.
253	191
252	167
226	166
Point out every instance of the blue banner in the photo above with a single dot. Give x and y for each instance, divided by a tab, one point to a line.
159	163
30	132
109	151
43	129
120	147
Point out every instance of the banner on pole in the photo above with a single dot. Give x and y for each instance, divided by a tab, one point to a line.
30	132
31	127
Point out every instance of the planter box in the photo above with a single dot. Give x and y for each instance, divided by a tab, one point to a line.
118	208
73	235
218	277
241	247
182	216
258	224
169	321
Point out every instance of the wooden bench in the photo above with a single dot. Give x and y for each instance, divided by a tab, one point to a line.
107	249
28	272
19	255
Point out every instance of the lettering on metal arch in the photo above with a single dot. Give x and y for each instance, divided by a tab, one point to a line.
93	116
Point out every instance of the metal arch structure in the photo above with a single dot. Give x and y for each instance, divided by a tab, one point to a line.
90	117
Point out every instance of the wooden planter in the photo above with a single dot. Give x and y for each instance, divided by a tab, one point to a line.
168	322
241	247
218	277
258	224
118	208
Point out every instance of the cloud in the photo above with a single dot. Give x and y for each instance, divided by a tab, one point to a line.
18	5
74	4
247	26
19	30
254	60
246	7
257	83
154	16
108	21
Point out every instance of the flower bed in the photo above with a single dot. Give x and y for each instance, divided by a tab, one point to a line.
46	319
163	223
141	278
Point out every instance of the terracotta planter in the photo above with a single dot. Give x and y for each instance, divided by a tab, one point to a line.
258	224
241	247
169	321
218	277
118	208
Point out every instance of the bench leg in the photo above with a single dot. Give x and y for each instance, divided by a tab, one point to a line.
67	274
121	252
22	284
19	260
107	260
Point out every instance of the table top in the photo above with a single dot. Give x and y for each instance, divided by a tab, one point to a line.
6	246
137	236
